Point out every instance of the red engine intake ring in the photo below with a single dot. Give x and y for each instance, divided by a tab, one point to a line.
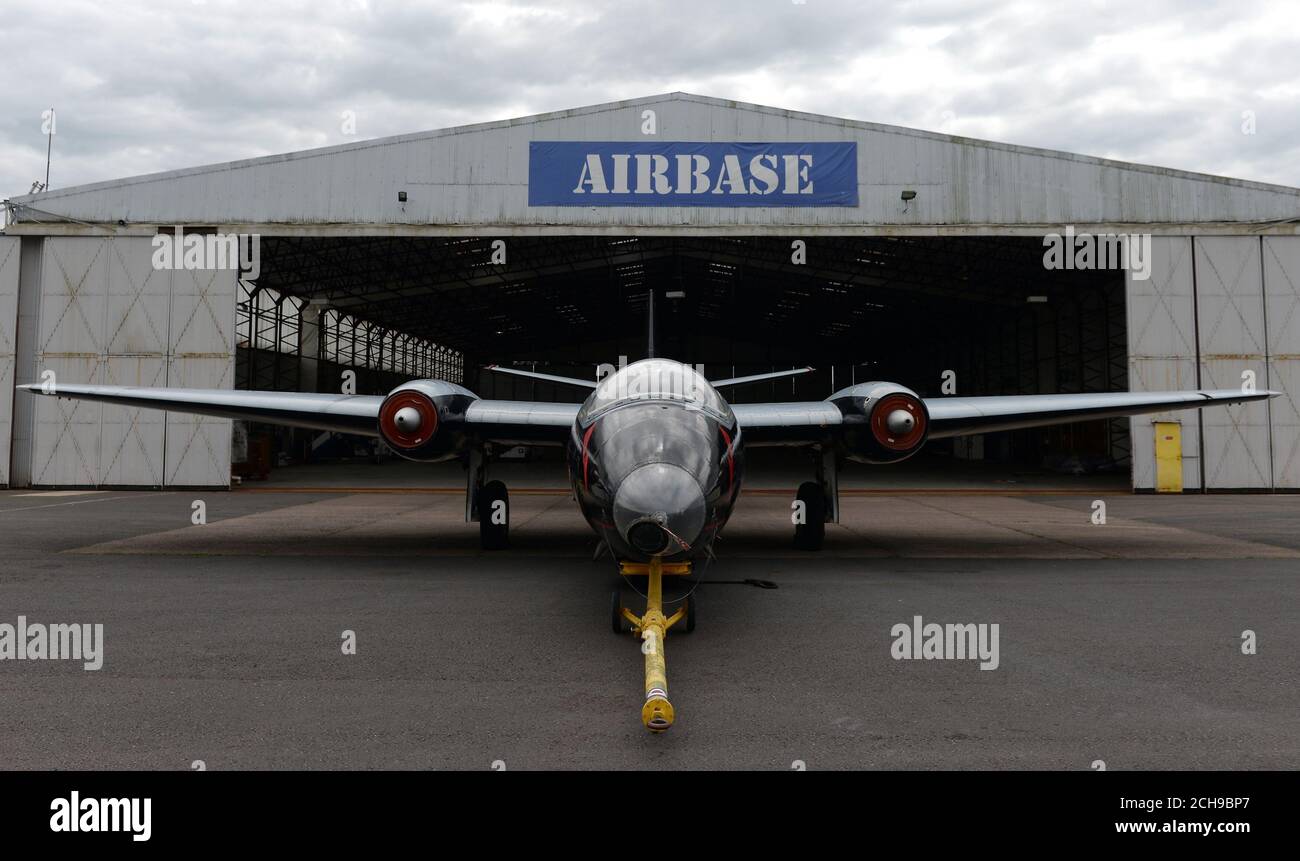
388	423
880	416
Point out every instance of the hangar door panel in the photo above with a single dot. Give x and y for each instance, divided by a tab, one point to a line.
202	356
1282	303
9	255
135	354
1162	352
69	342
107	316
1230	312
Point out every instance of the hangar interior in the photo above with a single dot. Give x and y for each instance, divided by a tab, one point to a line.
982	310
379	259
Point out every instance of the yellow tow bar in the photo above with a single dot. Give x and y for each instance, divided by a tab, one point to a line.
657	712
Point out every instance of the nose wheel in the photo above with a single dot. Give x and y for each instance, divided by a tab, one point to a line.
657	712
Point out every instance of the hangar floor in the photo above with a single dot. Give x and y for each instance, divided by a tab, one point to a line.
1118	642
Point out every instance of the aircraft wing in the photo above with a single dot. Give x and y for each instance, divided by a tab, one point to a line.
345	413
795	423
817	421
522	422
529	423
951	417
509	422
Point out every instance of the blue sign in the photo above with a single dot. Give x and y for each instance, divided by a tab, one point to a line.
677	173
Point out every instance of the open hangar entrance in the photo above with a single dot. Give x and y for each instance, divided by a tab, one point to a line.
942	315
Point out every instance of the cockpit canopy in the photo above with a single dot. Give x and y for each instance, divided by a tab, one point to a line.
655	380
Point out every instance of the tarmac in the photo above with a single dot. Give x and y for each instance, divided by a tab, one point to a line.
222	642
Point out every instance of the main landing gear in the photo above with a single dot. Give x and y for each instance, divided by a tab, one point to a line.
817	503
657	712
487	502
494	516
810	529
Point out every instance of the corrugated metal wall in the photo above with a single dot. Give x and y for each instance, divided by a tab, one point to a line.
107	316
477	177
1214	308
9	257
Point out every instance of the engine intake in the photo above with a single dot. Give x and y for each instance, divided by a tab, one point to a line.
424	420
408	419
883	422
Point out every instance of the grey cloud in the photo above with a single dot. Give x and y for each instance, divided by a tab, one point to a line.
143	87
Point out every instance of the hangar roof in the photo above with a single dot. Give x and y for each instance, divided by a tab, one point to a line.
474	180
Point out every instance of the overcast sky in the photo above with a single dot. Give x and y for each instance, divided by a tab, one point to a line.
142	86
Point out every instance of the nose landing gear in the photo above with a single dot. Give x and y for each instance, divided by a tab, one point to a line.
657	712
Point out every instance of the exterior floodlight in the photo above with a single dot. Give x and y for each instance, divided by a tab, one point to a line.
908	194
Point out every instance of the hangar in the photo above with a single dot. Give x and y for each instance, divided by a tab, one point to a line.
771	238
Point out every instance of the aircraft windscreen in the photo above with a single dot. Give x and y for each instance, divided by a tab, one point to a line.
655	380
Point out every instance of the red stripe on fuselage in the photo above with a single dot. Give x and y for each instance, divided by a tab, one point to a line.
731	461
586	456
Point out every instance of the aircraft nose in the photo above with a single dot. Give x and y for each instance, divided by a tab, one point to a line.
658	507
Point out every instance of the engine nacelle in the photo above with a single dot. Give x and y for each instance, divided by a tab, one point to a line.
424	420
883	422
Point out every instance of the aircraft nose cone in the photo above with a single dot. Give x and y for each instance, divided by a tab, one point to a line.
407	419
657	507
900	422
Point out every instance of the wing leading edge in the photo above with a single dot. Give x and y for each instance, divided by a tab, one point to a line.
526	422
344	413
951	417
513	422
816	421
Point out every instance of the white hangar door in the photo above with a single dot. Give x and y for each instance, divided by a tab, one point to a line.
1230	323
9	258
201	355
107	316
134	354
1282	304
1162	353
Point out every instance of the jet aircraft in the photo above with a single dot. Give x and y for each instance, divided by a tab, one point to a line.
655	453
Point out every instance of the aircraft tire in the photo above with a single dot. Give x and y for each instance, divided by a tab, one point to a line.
493	536
810	534
616	612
